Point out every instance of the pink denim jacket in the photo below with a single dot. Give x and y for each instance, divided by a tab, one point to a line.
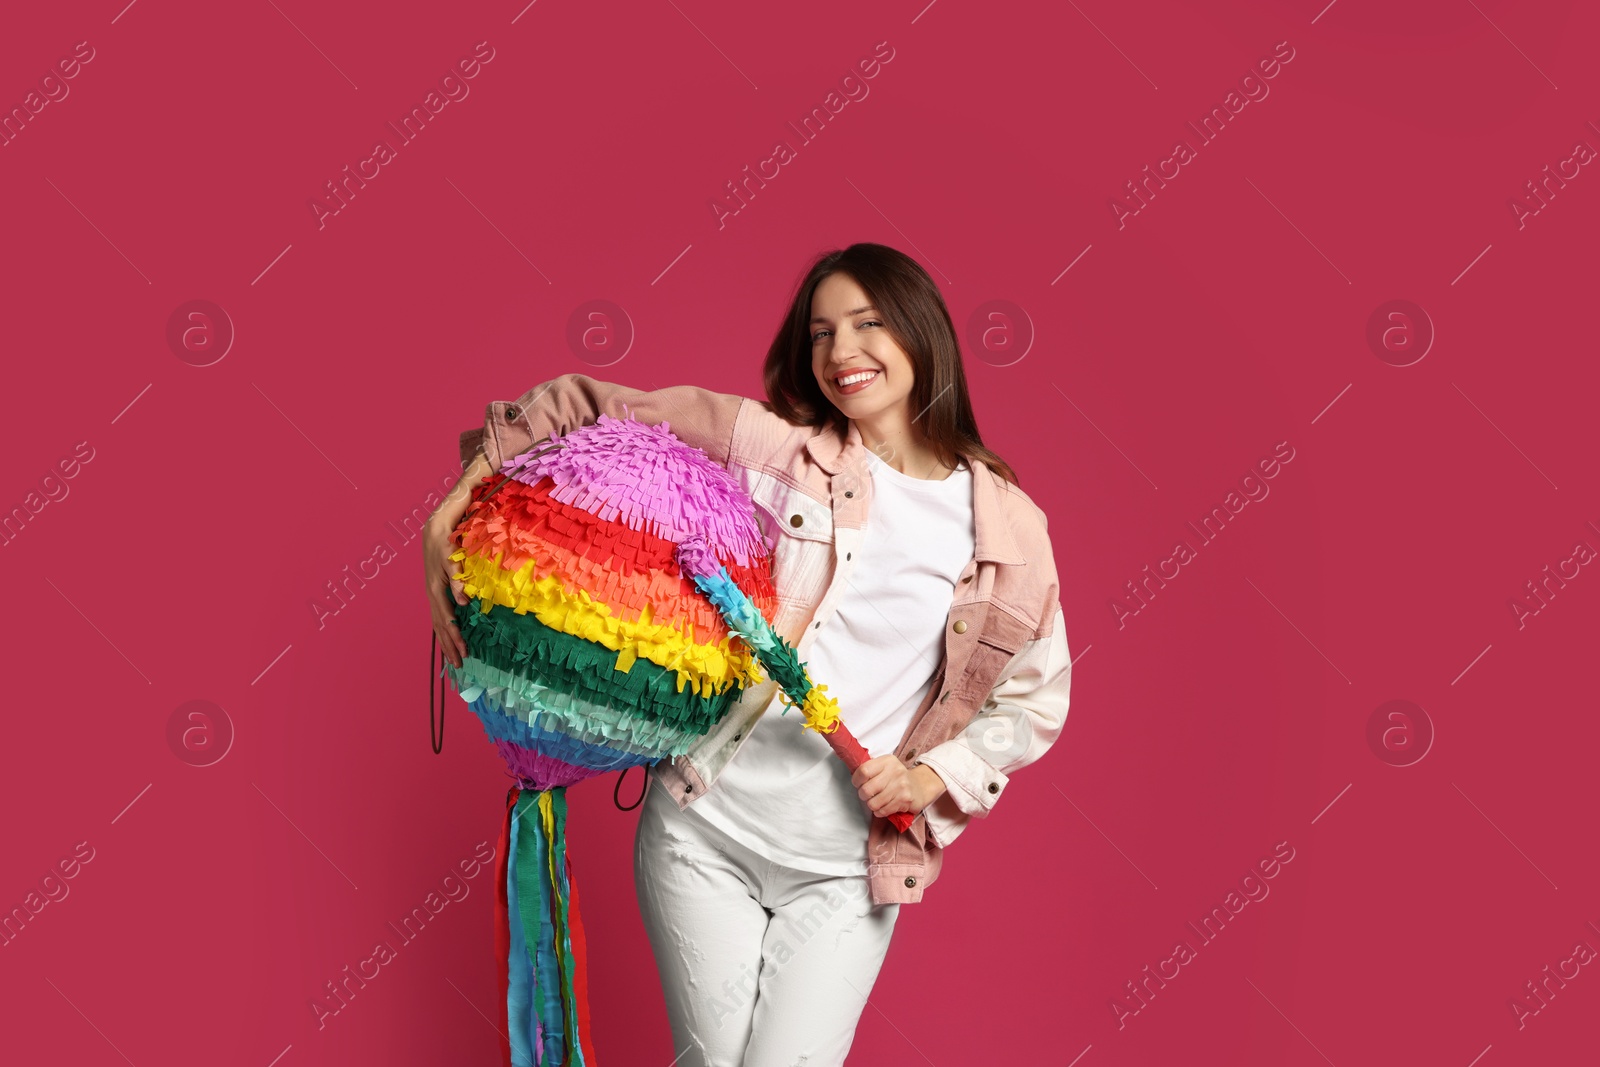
999	695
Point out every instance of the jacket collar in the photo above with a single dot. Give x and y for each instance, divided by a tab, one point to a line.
992	534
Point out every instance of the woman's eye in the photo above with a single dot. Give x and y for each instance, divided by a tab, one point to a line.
870	322
817	336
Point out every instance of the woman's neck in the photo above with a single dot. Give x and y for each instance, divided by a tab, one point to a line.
893	438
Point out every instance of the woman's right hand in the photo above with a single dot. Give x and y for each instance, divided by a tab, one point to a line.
438	545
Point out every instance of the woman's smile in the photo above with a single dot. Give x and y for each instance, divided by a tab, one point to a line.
854	381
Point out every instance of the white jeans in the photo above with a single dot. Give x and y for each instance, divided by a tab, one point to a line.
762	965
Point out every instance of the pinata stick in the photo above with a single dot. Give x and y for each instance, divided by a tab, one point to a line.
847	748
820	711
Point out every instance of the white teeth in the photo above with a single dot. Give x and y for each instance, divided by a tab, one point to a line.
851	379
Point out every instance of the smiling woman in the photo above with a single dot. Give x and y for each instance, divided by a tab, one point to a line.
867	376
912	574
866	316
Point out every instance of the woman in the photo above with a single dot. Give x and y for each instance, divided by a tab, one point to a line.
916	581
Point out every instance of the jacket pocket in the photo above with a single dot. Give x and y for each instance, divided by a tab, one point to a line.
1000	639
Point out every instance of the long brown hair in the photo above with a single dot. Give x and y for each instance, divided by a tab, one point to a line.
914	313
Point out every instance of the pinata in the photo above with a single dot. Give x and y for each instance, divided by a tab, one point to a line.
619	595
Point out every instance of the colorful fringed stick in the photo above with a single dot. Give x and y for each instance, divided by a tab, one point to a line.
782	662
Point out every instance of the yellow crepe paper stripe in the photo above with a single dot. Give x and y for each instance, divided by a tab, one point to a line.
820	710
709	667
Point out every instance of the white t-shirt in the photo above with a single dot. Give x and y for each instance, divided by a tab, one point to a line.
785	794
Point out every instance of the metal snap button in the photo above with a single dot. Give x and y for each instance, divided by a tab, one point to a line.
961	626
688	789
737	736
910	881
849	493
994	787
911	754
849	555
795	520
513	413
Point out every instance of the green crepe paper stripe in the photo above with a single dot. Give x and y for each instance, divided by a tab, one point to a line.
523	646
612	728
615	727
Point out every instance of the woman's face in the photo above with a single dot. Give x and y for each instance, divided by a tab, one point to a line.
850	342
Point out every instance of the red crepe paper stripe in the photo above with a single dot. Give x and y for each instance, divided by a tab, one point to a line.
621	567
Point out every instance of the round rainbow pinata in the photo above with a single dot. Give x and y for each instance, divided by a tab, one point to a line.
620	592
590	650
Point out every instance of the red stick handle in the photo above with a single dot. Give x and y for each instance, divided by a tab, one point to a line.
845	745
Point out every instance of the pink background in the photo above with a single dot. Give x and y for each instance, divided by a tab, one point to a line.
1229	314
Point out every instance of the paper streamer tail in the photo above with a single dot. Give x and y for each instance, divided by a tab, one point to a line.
502	922
539	935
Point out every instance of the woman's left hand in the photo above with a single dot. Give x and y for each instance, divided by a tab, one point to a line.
886	785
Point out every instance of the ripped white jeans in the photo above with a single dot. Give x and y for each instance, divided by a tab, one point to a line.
762	965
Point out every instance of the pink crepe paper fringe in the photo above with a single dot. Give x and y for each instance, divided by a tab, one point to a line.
646	477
